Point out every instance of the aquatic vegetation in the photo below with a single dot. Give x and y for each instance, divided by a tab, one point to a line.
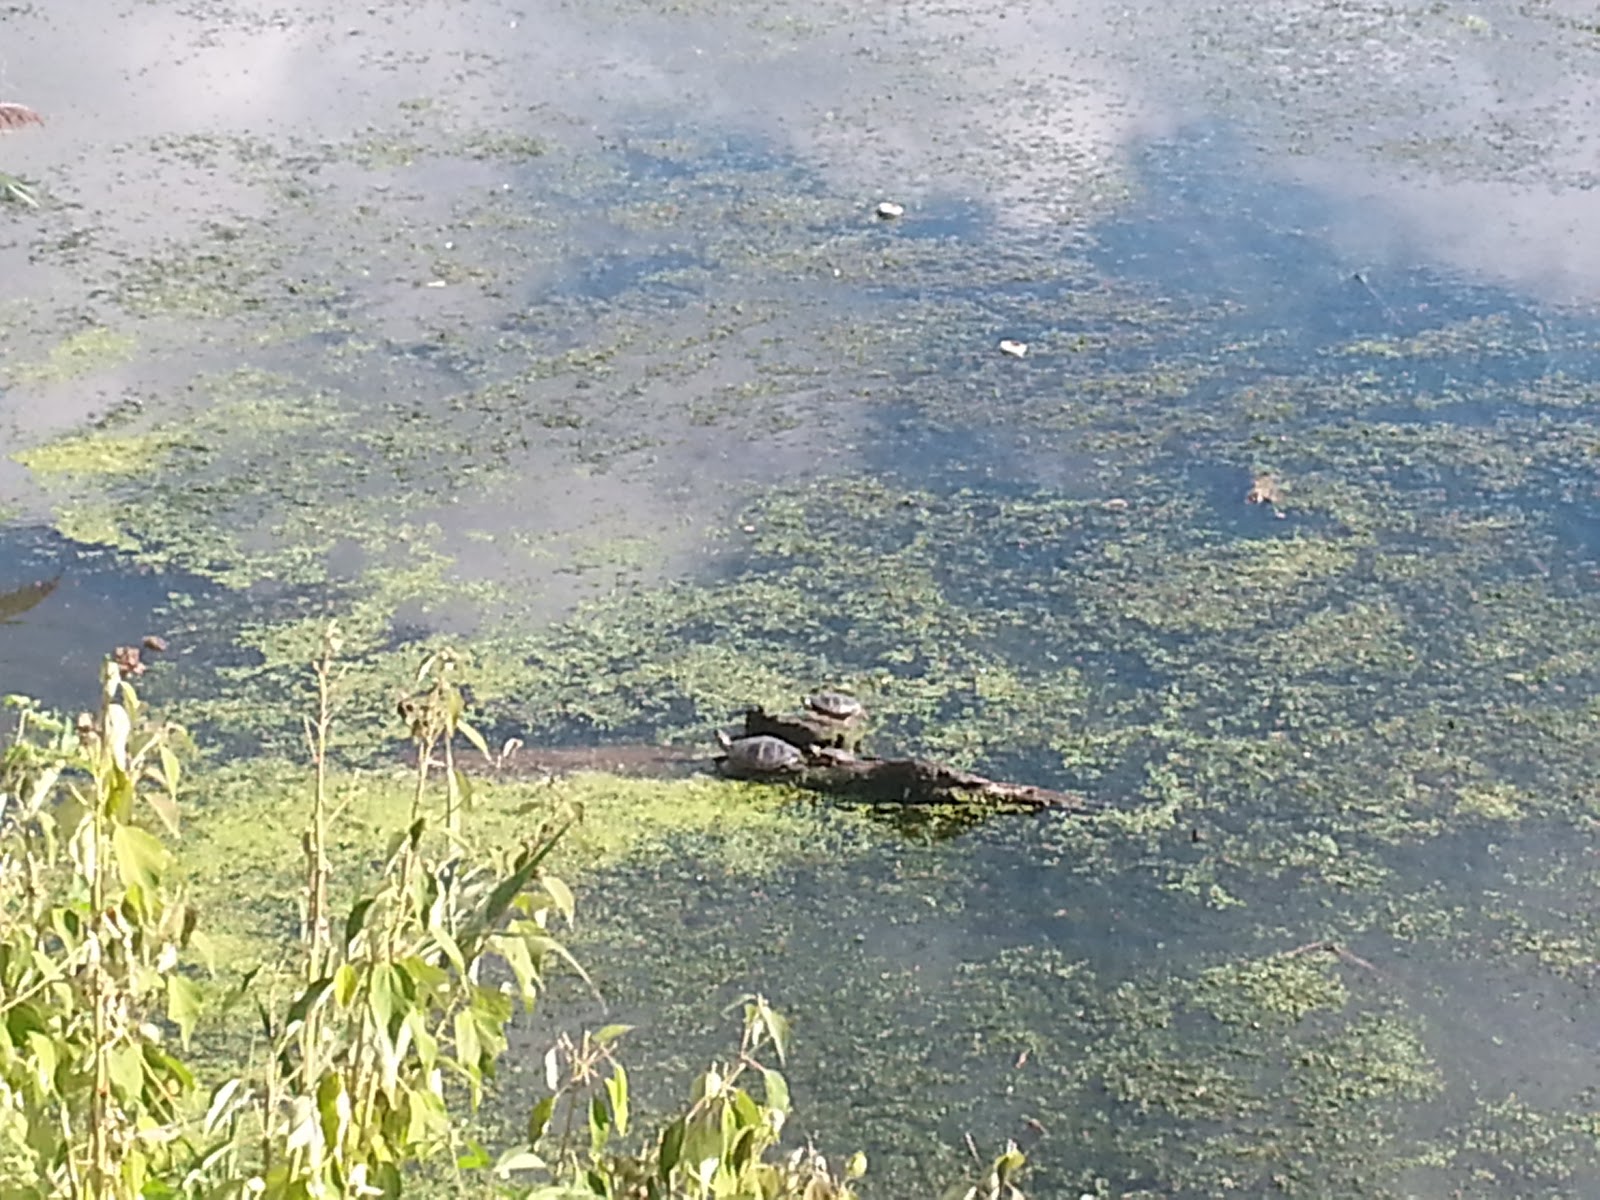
666	423
83	353
352	1090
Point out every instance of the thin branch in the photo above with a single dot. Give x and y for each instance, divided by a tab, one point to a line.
1335	949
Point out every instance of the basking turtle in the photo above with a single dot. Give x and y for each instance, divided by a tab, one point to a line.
837	706
760	757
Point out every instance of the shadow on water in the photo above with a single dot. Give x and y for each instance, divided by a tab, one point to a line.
51	648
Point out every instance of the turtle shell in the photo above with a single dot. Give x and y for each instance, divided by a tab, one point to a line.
763	755
838	705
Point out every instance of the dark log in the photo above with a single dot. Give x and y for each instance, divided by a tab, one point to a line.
829	768
831	747
914	781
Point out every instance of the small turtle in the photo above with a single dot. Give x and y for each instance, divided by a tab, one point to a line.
758	757
837	705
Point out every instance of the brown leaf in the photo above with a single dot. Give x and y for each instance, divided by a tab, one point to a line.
15	116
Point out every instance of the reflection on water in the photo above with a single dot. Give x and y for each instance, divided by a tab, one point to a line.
578	335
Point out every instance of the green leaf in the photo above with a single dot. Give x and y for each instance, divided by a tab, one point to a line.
742	1150
518	1160
171	770
221	1106
463	787
745	1109
468	1052
617	1090
473	736
474	1157
345	982
777	1089
516	955
141	858
561	894
333	1107
856	1166
126	1067
702	1146
166	808
382	996
1009	1163
173	1072
357	920
610	1033
42	1048
120	794
539	1119
118	727
183	1005
777	1028
599	1124
447	944
540	945
202	946
672	1138
494	908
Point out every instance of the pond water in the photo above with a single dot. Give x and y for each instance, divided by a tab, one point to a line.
570	332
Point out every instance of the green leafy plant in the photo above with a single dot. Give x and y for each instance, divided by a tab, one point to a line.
997	1182
393	1026
726	1144
90	934
379	1037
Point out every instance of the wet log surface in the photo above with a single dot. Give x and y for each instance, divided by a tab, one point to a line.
915	781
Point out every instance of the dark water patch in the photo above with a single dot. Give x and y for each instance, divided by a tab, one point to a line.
698	155
638	274
97	601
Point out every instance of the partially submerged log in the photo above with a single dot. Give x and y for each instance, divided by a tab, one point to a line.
915	781
838	772
825	766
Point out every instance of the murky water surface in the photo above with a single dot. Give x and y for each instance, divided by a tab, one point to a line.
570	331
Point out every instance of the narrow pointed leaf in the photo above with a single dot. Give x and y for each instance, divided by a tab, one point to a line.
183	1005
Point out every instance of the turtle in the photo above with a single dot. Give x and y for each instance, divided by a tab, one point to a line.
837	706
758	757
